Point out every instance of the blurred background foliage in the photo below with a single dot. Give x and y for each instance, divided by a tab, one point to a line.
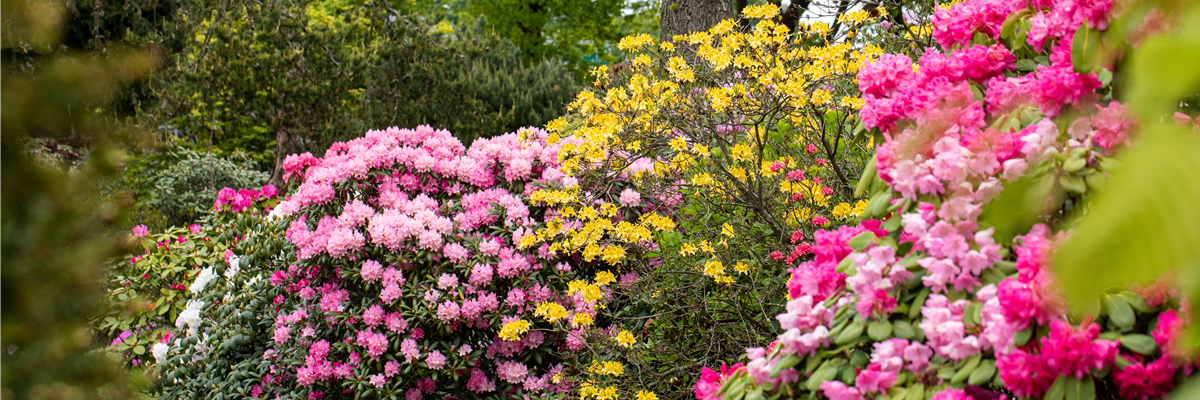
54	235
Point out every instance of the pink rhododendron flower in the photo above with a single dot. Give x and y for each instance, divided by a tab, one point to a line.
1026	375
835	390
952	394
710	381
512	371
630	198
1077	352
1153	380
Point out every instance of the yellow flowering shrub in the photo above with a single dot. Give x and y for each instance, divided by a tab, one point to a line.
701	168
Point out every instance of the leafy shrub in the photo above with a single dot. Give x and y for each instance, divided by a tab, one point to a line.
221	336
940	301
149	288
175	185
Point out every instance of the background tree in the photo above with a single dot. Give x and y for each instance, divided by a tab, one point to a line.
681	17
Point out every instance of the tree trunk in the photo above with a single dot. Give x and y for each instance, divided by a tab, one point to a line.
681	17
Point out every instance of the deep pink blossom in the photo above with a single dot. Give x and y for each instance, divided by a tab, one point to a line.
710	381
1153	380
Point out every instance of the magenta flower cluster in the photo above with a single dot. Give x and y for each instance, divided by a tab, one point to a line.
957	129
242	199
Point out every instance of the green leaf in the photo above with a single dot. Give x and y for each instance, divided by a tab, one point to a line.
1085	49
915	392
1189	391
850	334
1019	206
1136	301
786	362
918	303
825	373
1058	390
1105	76
879	330
1081	389
1009	28
1026	65
1074	164
878	204
1022	337
861	241
903	330
1139	343
1119	311
1073	184
983	373
1114	247
1162	70
867	176
967	369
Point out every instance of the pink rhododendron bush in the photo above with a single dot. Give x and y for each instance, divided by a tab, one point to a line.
409	279
943	295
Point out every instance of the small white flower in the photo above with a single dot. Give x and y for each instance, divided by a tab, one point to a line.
190	316
232	271
160	352
206	275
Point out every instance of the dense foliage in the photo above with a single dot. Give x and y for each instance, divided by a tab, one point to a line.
175	185
901	202
275	78
148	291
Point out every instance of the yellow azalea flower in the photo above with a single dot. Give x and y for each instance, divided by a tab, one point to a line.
625	339
678	144
727	230
608	393
842	211
605	277
741	152
702	180
635	42
714	268
680	70
550	311
741	267
645	395
738	173
581	319
513	331
761	12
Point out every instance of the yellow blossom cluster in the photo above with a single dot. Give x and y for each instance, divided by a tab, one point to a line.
550	311
625	339
612	368
513	331
589	390
646	395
